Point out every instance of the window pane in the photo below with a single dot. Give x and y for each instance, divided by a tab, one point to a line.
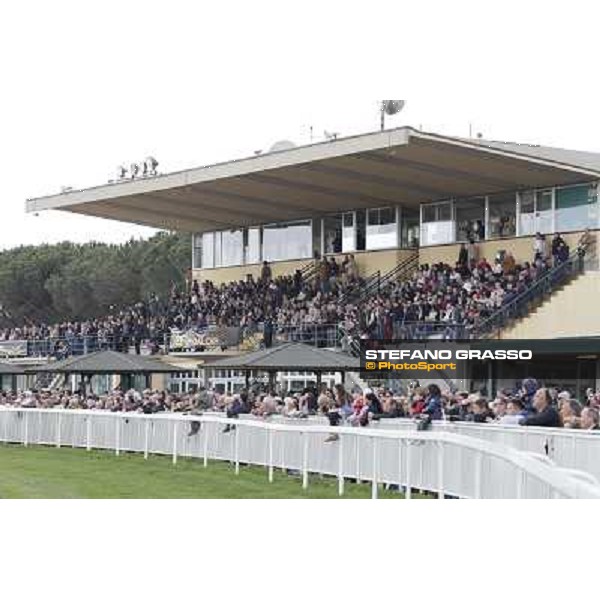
502	216
410	228
444	212
382	231
208	256
470	219
429	214
348	233
576	208
543	211
527	219
333	234
197	250
387	216
231	248
544	200
287	241
437	227
218	253
253	250
435	234
373	216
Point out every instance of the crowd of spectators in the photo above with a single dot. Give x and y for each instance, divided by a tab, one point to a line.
529	404
456	296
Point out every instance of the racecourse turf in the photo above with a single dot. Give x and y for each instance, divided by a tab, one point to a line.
40	472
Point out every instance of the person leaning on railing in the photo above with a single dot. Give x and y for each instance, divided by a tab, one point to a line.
590	419
545	414
585	246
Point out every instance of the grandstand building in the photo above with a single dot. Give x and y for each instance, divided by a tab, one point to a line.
376	195
382	197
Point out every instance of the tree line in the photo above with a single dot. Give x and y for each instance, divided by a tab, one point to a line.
66	281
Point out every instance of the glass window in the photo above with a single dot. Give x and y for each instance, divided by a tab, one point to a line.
348	233
502	218
333	234
429	214
287	241
438	226
536	212
527	213
197	251
317	229
576	207
382	230
470	219
208	251
232	248
253	246
543	208
409	220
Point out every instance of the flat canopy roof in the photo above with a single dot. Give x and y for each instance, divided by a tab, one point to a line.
108	362
401	166
289	357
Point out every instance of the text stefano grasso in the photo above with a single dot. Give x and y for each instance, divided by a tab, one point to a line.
376	355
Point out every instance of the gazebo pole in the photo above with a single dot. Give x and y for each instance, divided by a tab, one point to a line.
319	375
272	376
247	373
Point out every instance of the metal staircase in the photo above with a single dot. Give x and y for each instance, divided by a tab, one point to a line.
377	282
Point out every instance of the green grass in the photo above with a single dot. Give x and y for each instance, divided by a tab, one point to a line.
39	472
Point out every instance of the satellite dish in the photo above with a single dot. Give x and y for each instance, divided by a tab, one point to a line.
282	145
392	107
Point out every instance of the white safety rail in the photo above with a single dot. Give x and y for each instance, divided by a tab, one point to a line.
444	463
567	448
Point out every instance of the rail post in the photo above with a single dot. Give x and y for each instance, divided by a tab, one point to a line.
88	432
408	471
341	466
237	450
375	487
146	438
175	431
270	438
440	469
58	426
26	430
205	450
304	460
117	435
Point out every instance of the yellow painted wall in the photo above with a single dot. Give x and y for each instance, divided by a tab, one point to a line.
521	248
570	312
368	263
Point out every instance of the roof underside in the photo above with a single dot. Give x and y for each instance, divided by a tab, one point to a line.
401	166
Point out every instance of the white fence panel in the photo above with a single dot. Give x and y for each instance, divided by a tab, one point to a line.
453	459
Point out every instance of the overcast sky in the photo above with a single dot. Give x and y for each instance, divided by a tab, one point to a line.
87	85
